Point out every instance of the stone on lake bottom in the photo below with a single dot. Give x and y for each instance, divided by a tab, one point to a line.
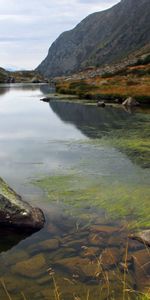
31	268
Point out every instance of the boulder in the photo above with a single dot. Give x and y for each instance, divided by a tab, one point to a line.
46	99
130	102
142	236
101	104
15	212
35	80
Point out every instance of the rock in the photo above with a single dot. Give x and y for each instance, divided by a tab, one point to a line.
118	101
105	229
96	240
35	80
44	280
110	257
142	268
130	102
15	212
46	99
134	245
61	253
115	241
81	268
76	244
90	252
125	267
143	237
52	229
31	268
15	257
48	245
101	104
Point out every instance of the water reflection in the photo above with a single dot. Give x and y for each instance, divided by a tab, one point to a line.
42	140
126	130
11	237
91	120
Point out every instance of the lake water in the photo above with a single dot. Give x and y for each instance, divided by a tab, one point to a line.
88	169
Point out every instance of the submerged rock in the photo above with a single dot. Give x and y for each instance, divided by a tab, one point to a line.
142	236
32	268
141	261
47	245
80	268
110	257
15	212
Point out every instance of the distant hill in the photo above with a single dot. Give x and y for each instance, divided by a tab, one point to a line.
102	38
3	75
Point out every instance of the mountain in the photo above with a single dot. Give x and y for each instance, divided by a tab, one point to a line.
101	38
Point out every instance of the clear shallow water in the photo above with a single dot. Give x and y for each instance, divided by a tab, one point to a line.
71	143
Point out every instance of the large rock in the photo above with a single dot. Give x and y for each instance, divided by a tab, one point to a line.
15	212
142	236
130	102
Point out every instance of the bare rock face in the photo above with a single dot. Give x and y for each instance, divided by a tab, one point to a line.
15	212
100	39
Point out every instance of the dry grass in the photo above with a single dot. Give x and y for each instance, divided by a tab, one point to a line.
134	81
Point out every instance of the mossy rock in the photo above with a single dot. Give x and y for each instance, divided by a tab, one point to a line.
15	212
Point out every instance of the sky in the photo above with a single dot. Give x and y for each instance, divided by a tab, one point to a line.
29	27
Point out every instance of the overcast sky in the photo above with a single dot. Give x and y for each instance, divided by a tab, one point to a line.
28	27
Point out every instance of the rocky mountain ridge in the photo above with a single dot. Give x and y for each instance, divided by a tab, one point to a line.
101	38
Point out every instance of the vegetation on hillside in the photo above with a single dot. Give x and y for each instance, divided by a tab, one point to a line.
3	75
132	81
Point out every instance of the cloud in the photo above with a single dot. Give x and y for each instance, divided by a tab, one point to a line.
28	28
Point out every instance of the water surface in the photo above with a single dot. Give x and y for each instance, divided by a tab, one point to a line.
87	168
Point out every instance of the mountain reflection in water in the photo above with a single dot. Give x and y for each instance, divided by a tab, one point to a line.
92	121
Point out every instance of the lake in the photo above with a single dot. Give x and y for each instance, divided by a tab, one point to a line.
88	169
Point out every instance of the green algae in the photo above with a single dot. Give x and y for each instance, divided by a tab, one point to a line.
119	200
123	196
12	199
7	192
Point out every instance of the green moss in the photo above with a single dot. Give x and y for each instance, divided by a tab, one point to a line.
119	200
12	197
6	191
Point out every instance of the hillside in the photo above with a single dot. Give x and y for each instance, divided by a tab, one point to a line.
3	75
101	38
131	77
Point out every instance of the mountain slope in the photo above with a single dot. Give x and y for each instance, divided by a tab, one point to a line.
101	38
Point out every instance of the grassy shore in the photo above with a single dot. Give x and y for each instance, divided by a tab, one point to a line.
132	81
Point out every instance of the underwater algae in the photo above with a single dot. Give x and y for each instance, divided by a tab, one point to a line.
119	200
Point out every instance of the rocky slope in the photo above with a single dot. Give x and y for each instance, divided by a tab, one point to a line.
101	38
